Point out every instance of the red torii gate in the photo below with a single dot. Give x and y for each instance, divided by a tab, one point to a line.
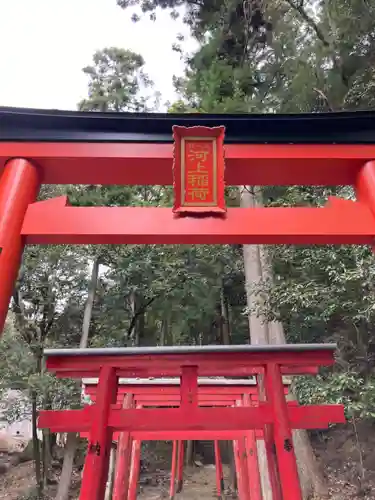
274	415
53	147
48	147
166	393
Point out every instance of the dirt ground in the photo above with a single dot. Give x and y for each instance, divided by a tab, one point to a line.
199	484
16	482
347	455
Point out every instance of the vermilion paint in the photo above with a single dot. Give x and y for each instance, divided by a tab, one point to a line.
147	164
19	186
123	457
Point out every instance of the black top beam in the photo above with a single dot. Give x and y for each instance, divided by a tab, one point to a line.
202	381
136	351
17	124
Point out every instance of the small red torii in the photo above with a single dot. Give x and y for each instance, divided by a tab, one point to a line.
166	393
273	414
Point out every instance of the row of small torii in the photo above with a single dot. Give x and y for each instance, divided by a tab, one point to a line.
190	406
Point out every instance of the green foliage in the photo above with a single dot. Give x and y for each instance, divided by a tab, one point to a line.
347	388
178	284
115	80
46	311
51	288
323	293
279	56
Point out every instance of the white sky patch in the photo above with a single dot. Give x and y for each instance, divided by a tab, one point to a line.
44	44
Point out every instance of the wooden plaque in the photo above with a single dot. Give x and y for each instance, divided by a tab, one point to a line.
198	170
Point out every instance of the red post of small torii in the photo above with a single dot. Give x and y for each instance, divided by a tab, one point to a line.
180	466
218	471
134	467
172	488
252	459
123	457
97	458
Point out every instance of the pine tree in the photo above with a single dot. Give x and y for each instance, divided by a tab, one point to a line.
115	81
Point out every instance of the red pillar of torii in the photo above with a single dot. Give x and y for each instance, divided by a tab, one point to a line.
47	147
19	184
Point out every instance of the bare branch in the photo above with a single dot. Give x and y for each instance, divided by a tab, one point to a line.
138	313
310	21
322	94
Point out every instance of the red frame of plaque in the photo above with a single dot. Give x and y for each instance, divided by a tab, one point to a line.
198	170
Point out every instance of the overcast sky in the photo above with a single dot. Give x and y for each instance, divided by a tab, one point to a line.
44	44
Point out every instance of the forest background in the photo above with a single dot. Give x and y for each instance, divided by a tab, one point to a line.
254	56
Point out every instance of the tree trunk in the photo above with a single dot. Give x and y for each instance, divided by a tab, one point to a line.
312	479
36	447
47	443
89	303
226	340
225	329
140	324
253	275
164	330
111	474
47	455
66	473
189	452
232	465
257	324
133	309
72	439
